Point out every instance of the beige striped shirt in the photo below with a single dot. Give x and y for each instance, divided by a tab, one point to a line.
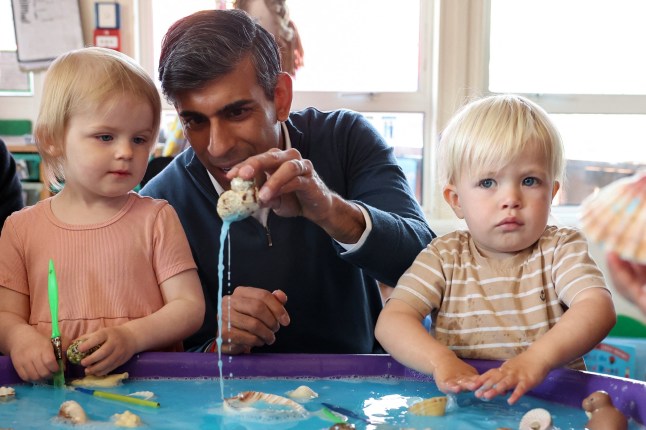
495	308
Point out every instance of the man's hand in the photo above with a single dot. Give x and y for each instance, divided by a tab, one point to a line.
250	318
290	186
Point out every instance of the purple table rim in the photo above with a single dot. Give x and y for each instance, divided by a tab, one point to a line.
564	386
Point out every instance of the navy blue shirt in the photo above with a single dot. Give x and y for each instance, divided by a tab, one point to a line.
333	296
10	188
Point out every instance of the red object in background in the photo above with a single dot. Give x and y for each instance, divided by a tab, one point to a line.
108	38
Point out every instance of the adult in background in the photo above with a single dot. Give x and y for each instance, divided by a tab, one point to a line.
337	212
10	189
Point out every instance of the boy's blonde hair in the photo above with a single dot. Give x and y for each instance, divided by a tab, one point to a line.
79	80
488	133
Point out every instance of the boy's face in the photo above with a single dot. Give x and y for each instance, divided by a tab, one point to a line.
107	147
506	210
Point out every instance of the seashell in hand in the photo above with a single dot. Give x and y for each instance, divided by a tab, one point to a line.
435	406
239	202
616	217
126	419
303	393
74	355
101	381
536	419
264	405
7	393
73	412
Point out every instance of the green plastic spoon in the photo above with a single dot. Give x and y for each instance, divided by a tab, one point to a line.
52	290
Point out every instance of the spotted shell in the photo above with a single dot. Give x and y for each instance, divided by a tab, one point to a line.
74	355
239	202
435	406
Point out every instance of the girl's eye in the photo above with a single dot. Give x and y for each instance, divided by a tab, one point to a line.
486	183
139	140
104	138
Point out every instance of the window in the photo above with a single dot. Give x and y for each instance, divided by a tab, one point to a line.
582	61
367	55
13	81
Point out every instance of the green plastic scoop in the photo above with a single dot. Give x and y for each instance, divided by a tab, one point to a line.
52	290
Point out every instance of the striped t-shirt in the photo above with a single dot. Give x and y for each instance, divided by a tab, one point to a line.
486	308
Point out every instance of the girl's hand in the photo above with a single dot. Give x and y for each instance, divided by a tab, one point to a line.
117	345
33	357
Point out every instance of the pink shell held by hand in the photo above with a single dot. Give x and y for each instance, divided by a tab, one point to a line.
615	217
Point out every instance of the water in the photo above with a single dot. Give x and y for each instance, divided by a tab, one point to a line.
226	223
196	404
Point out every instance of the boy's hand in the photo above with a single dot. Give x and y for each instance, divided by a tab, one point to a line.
453	375
520	374
33	357
117	345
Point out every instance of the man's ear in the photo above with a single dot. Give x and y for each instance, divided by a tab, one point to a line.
555	188
283	96
450	194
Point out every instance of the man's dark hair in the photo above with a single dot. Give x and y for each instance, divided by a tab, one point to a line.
209	44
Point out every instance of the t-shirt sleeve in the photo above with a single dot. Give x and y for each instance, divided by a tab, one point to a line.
573	269
13	274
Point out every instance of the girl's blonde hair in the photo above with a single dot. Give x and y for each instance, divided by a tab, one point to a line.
79	80
488	133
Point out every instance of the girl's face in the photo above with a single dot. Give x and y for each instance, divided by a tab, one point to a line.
107	147
506	210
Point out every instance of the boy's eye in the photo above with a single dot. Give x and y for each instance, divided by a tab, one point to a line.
139	140
528	182
486	183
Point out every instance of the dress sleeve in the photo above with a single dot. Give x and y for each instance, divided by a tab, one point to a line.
171	253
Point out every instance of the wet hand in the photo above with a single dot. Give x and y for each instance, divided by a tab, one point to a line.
289	184
452	375
520	374
250	318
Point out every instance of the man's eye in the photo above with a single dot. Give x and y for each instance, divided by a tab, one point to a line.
486	183
193	122
237	113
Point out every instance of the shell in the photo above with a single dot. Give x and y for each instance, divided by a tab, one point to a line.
615	217
73	412
101	381
7	393
264	404
146	395
536	419
303	393
126	419
435	406
239	202
74	355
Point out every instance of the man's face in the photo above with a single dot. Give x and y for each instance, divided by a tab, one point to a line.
231	119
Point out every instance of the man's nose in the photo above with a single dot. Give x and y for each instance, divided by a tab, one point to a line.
221	139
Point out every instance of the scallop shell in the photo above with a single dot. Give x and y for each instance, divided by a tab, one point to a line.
264	404
303	393
101	381
126	419
7	393
74	355
73	412
239	202
435	406
616	217
536	419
